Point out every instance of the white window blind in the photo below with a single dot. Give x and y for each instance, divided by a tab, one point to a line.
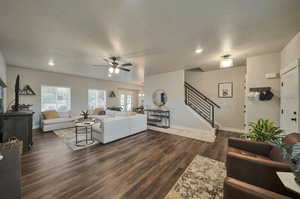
129	103
56	98
97	98
126	100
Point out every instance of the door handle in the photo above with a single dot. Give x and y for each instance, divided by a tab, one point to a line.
294	119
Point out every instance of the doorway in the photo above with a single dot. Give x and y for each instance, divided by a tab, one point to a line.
126	100
290	101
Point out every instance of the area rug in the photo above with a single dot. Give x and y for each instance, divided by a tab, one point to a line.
203	179
68	136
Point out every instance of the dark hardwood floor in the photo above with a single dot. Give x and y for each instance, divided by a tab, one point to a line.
145	165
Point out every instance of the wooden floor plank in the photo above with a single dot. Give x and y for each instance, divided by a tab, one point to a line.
145	165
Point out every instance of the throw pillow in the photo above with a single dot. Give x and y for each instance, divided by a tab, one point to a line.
51	114
99	111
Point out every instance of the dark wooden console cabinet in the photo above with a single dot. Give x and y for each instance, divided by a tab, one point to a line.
18	125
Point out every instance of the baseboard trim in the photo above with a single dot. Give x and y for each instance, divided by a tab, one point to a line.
193	129
232	130
198	134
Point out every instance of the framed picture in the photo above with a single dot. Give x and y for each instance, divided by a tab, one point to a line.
225	90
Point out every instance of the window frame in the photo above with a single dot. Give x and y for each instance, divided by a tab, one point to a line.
126	107
105	97
70	98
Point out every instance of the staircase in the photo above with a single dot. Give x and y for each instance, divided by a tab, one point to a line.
202	105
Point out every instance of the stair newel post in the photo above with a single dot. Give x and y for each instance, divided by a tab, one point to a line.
213	116
185	94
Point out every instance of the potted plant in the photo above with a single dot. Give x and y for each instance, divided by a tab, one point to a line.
85	114
262	131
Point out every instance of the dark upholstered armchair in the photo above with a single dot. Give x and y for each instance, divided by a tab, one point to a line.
234	189
256	163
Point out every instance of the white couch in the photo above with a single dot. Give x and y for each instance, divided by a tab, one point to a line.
119	125
65	121
114	125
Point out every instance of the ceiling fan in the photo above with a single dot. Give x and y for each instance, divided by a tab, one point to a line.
115	65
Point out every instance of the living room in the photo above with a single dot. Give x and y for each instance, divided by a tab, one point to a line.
148	99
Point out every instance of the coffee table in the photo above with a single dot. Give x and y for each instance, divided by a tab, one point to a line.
84	128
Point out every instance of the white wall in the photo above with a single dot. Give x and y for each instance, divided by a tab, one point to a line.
257	67
79	88
291	52
3	77
231	114
173	84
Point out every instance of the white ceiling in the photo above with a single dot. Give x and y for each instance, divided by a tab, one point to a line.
156	35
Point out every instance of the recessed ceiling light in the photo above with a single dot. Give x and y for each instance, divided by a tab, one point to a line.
226	61
51	63
199	50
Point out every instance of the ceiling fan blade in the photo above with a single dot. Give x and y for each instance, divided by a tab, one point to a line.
127	64
108	61
124	69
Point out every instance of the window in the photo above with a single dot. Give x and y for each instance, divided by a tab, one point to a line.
56	98
128	103
97	98
122	101
141	99
126	100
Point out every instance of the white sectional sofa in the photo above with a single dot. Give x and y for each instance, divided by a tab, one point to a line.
65	121
119	125
112	126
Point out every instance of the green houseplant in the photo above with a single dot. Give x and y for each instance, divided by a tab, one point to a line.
85	114
262	131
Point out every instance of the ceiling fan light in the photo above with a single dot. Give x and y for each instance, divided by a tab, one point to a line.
117	71
199	50
51	63
109	75
111	70
226	63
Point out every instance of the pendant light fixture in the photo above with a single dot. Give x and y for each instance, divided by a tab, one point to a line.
226	61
